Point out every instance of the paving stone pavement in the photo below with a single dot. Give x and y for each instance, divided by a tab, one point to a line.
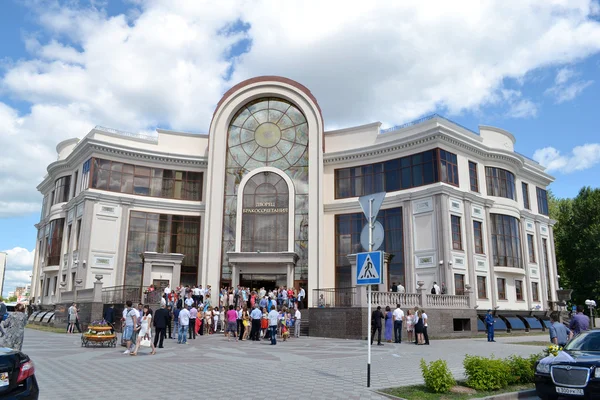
308	367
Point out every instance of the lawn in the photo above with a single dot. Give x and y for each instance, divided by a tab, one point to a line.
46	328
420	392
532	343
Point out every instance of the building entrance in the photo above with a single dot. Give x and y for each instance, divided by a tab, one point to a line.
268	281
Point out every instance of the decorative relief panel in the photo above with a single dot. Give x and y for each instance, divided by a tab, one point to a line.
103	261
455	205
533	272
425	261
481	265
459	262
70	215
422	206
529	226
477	212
79	210
544	230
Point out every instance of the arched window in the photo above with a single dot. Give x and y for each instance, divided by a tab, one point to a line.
265	213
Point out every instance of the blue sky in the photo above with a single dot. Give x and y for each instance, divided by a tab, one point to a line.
530	68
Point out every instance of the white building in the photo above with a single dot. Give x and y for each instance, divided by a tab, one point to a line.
268	198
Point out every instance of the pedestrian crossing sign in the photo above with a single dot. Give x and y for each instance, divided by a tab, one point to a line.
369	268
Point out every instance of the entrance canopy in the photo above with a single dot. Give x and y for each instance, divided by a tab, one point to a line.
264	269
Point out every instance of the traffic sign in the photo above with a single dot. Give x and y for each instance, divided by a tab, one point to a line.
378	235
377	202
369	268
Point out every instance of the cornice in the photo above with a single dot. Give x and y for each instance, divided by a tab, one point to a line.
142	201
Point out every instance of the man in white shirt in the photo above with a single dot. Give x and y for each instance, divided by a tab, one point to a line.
301	297
167	292
401	288
398	318
297	318
436	289
273	319
201	293
425	335
189	301
184	322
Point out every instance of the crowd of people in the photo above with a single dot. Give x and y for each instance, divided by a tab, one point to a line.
238	314
391	322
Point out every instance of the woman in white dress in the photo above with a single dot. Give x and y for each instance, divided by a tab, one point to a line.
145	332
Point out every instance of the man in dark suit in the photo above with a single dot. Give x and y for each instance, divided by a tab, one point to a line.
109	316
376	318
161	319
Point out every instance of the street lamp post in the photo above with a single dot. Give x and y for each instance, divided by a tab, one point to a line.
591	305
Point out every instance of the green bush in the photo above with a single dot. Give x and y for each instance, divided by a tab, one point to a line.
437	376
521	370
486	373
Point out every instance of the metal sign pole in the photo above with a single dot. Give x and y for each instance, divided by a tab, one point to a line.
369	297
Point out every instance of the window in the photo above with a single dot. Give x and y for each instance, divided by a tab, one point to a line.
542	200
55	284
531	248
44	207
162	233
75	183
519	290
478	237
546	265
448	167
500	183
456	234
144	181
481	287
525	190
347	241
52	198
62	189
459	284
473	176
501	288
506	241
420	169
265	214
47	282
535	291
73	281
54	242
77	235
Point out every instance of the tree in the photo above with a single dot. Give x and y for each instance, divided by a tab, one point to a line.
12	299
577	240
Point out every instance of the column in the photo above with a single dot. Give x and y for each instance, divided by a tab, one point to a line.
119	267
361	291
525	253
446	240
470	251
410	282
544	283
386	285
235	275
554	265
290	275
490	257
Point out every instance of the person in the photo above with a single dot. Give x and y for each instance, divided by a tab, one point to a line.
109	317
559	333
176	312
444	288
246	323
184	322
579	322
216	316
145	331
3	310
376	318
297	319
398	317
425	325
401	288
72	312
435	289
231	323
389	324
208	319
167	292
410	324
13	328
240	322
256	316
489	326
161	321
130	320
169	319
189	301
192	325
273	319
394	287
301	297
418	321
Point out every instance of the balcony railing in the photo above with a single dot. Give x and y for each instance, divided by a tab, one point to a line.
336	297
446	301
120	294
393	298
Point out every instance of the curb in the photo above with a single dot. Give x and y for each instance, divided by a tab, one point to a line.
514	395
504	396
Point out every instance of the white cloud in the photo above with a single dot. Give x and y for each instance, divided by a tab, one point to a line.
19	264
167	62
580	158
564	89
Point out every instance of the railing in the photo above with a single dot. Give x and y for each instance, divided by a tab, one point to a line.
147	138
421	120
446	301
336	297
120	294
152	297
393	298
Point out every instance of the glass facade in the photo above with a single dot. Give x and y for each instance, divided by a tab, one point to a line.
500	183
267	132
420	169
54	240
506	241
347	241
144	181
542	200
162	233
62	189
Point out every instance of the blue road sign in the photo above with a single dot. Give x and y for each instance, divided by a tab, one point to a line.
369	268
